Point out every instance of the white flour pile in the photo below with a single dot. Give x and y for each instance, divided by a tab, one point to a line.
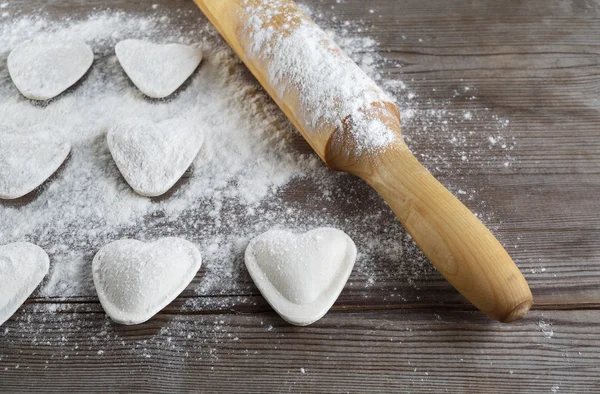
245	180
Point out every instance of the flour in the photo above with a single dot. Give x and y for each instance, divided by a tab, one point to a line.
42	69
257	173
301	275
22	268
247	154
152	157
305	61
157	70
28	158
546	328
135	280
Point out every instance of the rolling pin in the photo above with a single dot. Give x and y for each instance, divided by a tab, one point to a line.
354	127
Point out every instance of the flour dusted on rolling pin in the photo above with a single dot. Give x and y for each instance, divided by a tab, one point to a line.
303	61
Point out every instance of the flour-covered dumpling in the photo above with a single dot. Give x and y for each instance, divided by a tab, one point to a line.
152	157
22	268
135	280
43	69
157	70
301	275
28	158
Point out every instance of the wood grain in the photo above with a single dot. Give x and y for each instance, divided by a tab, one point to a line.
383	351
534	62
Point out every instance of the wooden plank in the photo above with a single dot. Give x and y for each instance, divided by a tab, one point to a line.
393	351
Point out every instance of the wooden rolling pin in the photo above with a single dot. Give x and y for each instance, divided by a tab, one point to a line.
354	127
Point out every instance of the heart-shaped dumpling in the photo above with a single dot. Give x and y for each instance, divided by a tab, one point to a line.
22	268
153	156
301	276
28	158
42	70
135	280
157	70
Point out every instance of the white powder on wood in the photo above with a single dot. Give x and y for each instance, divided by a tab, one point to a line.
256	174
250	154
247	155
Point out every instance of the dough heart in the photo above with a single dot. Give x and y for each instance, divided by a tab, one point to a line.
301	276
28	158
152	157
42	70
22	268
157	70
135	280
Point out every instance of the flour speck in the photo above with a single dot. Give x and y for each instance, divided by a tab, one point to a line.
546	329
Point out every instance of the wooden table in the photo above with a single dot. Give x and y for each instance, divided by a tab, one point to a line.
534	62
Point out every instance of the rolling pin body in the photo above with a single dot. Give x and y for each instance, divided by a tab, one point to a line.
354	127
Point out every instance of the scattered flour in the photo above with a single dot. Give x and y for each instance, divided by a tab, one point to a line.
247	155
253	163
